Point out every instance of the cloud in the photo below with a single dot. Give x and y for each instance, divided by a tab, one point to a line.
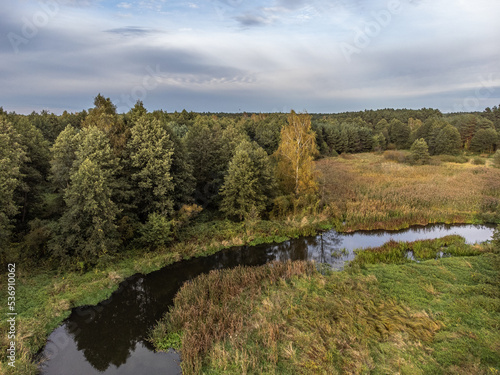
124	5
250	20
257	56
292	4
131	31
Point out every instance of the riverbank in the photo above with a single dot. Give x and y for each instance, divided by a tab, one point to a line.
437	316
45	296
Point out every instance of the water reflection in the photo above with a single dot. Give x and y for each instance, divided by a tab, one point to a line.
109	338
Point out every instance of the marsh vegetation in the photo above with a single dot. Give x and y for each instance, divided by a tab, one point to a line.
90	198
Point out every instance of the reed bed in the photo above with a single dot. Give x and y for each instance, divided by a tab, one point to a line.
435	317
215	306
369	192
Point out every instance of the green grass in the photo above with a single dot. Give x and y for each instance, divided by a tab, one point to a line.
44	297
214	306
366	191
435	317
394	252
464	295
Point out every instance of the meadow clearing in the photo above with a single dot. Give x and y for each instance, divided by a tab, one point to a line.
369	191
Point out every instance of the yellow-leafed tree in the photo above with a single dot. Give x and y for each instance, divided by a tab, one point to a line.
295	154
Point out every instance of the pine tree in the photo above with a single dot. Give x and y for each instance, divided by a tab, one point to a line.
484	140
95	145
211	148
63	156
419	152
249	185
34	171
379	142
267	133
447	141
12	157
151	152
181	171
399	133
88	226
295	154
204	144
104	117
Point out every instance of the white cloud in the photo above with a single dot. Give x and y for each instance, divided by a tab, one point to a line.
124	5
431	52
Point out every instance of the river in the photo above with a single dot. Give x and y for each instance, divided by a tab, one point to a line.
109	338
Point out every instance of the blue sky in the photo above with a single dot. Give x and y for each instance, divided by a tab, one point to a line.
240	55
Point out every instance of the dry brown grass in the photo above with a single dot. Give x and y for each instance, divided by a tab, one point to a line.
210	309
427	318
320	325
369	192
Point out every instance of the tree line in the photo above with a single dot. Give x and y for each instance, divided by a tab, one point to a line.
80	187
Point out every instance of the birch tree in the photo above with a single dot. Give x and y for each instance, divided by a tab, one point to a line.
295	154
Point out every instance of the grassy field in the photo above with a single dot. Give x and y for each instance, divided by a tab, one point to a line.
435	317
365	191
370	192
44	297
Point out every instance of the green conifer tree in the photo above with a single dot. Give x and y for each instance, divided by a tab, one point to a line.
249	185
12	157
88	226
63	156
484	140
399	133
419	152
447	141
151	152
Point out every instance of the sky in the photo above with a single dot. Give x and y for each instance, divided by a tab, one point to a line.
256	56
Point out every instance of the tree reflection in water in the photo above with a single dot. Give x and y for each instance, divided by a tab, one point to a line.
111	335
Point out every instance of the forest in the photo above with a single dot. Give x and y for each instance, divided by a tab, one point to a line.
90	199
80	187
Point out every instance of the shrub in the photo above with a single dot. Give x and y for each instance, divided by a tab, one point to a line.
478	161
496	239
419	152
157	231
496	159
391	146
489	210
452	159
397	156
282	206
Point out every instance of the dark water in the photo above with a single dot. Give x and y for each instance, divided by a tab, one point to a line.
109	338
